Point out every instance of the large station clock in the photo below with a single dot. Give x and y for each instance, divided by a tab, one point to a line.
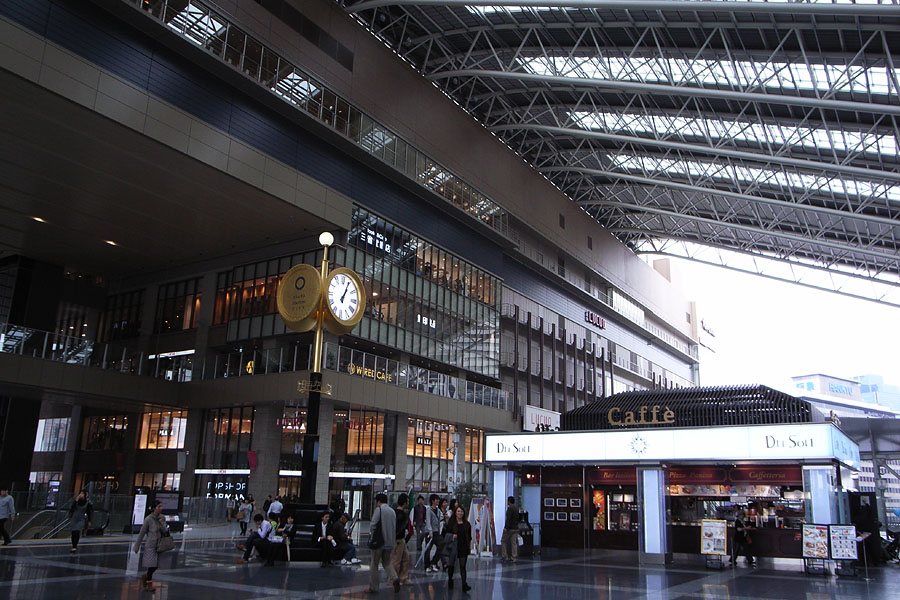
345	300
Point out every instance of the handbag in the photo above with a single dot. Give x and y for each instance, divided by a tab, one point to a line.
747	538
520	541
166	542
376	538
239	516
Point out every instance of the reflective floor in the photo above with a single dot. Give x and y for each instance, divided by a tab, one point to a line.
201	569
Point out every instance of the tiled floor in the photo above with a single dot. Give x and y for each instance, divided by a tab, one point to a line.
206	569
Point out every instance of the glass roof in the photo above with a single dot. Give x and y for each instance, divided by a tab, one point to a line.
197	24
486	10
650	165
744	73
768	134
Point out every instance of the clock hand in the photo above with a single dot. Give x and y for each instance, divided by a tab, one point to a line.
345	291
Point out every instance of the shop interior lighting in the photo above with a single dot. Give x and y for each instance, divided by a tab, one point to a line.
110	242
38	219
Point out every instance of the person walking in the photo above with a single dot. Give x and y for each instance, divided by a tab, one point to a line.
79	517
244	514
276	507
400	553
229	508
742	539
419	516
152	529
509	547
433	533
7	512
267	503
458	548
384	519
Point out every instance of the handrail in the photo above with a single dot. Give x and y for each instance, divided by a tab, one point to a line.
27	523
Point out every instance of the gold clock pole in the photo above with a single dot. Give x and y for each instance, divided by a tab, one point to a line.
310	461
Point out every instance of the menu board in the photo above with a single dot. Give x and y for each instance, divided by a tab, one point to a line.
815	541
712	537
843	542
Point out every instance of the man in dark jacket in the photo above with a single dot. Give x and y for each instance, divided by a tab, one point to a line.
400	553
324	536
509	546
344	543
419	522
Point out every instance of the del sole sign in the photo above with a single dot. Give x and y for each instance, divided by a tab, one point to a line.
765	442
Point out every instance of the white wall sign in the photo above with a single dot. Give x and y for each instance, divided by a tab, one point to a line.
771	442
535	417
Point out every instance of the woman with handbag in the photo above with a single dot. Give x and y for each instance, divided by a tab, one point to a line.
158	540
243	516
79	517
460	533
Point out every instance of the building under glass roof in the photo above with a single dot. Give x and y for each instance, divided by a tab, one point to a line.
756	135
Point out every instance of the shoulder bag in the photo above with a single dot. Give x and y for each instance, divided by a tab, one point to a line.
376	537
166	542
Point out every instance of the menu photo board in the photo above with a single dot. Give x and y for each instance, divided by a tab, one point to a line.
815	541
713	537
843	542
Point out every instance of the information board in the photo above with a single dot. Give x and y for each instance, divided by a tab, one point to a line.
713	537
815	541
139	511
843	542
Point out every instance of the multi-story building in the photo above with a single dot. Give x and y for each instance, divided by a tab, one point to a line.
168	161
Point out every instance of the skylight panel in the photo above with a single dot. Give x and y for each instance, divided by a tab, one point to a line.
774	134
196	24
650	165
701	72
295	88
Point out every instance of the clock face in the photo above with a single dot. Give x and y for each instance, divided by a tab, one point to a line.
343	297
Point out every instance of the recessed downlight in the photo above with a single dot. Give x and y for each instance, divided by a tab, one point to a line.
110	242
38	219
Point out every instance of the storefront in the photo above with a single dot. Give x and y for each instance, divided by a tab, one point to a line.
648	487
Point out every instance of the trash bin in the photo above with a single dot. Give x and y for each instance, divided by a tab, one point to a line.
527	533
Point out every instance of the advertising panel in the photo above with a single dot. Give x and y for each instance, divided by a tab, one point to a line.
843	542
713	537
815	541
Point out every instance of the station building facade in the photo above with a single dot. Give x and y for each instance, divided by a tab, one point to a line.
153	355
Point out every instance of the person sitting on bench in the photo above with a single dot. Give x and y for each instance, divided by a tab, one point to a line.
259	539
324	536
344	543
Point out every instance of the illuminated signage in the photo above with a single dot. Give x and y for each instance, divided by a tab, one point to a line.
291	422
594	319
375	239
426	321
356	425
539	419
757	442
423	441
657	414
361	371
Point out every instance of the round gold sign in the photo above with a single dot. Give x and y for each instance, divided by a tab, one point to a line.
298	294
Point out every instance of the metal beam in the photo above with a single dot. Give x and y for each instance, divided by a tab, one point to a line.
814	165
754	230
724	193
775	277
676	90
792	8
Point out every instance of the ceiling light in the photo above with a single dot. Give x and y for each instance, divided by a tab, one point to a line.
39	220
110	242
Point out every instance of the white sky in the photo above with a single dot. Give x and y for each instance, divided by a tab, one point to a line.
767	331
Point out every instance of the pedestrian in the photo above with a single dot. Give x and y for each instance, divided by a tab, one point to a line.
743	541
7	512
442	542
153	528
229	508
419	517
509	547
434	525
400	553
244	514
325	538
276	507
458	548
344	543
79	517
267	503
384	520
451	510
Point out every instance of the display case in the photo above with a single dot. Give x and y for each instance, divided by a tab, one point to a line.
623	513
615	517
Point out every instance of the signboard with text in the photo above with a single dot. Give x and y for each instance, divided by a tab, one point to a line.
843	542
713	537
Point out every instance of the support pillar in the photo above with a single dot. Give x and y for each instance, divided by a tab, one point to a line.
401	439
326	420
654	542
267	444
191	447
67	477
